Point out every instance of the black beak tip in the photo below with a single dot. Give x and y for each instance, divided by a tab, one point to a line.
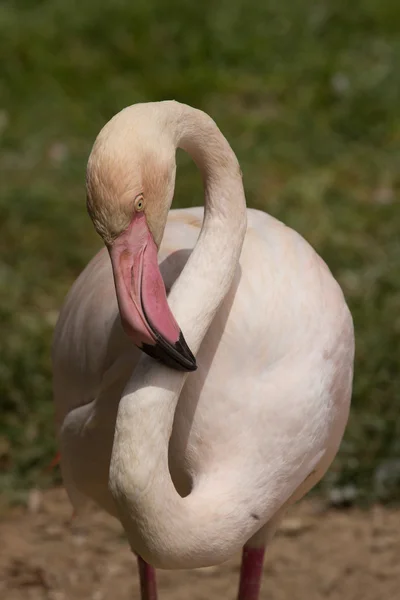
177	356
184	350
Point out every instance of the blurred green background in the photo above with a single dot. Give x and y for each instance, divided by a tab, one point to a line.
308	94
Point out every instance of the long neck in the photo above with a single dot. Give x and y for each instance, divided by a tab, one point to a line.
208	275
169	530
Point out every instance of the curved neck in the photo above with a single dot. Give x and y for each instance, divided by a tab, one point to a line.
161	526
208	275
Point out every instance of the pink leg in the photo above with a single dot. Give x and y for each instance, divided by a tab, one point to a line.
148	582
251	573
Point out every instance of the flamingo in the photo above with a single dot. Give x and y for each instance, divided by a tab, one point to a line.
197	442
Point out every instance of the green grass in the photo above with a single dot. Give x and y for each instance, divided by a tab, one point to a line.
308	94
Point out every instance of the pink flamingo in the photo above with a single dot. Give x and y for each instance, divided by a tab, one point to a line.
199	452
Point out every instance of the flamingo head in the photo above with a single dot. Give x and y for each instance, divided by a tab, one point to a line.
130	185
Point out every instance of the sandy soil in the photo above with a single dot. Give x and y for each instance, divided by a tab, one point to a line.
317	553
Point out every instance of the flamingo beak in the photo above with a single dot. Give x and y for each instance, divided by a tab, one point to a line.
142	299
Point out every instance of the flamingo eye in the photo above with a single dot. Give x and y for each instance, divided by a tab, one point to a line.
139	203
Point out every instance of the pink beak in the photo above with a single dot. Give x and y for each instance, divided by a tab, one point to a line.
142	299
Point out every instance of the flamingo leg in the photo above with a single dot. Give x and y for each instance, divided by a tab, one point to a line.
251	573
148	582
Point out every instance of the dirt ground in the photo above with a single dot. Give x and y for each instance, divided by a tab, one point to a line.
317	553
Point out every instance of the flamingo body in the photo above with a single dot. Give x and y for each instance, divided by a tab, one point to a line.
272	391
